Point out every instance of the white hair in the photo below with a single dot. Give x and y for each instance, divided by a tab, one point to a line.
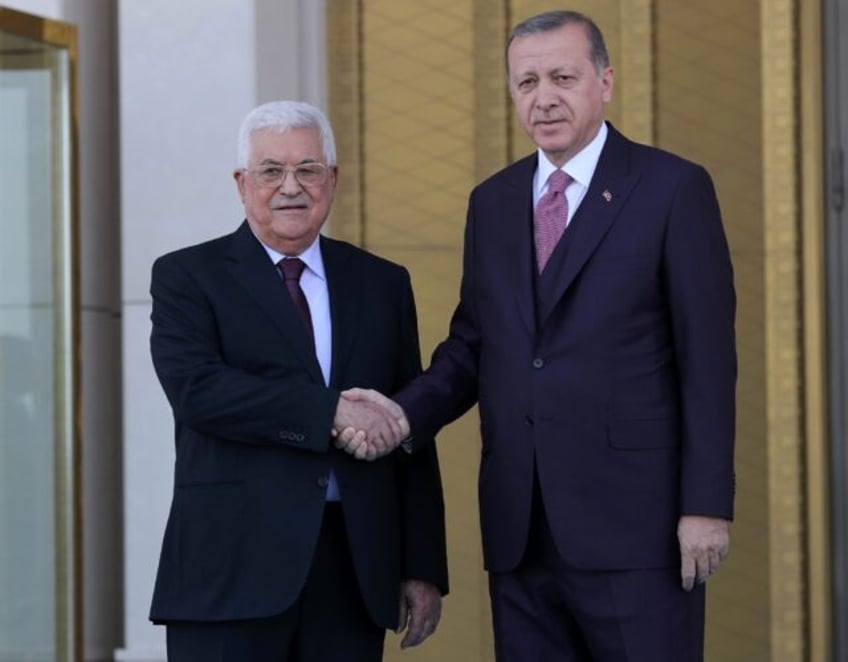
283	116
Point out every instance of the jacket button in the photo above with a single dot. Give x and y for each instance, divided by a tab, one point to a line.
528	421
323	481
538	363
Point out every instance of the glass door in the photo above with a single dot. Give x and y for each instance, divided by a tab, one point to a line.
39	582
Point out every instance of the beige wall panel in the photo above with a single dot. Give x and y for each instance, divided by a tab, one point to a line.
424	110
709	102
344	100
491	108
709	108
465	632
435	275
419	133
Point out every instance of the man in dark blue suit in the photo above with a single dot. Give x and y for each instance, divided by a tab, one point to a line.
280	547
601	353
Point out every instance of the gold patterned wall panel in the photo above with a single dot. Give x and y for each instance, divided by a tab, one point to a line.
724	98
419	130
344	100
492	115
708	109
420	85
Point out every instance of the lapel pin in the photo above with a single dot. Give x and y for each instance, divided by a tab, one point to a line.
606	195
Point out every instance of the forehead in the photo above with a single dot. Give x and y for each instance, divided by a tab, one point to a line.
566	46
292	146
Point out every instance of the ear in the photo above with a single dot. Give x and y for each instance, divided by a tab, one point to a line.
607	78
239	176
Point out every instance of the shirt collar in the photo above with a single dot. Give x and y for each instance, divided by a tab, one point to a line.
580	167
311	257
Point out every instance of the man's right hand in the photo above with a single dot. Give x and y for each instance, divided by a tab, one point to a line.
360	441
704	543
366	426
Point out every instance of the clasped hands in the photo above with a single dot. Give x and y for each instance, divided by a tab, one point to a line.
368	425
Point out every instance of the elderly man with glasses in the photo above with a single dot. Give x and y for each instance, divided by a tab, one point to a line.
279	546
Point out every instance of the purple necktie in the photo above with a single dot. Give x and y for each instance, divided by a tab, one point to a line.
291	268
551	217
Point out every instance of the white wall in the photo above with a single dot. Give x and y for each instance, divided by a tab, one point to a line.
186	71
189	72
47	8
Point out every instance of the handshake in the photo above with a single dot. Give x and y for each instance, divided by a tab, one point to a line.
368	425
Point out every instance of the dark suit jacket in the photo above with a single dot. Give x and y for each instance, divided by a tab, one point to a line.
252	421
614	371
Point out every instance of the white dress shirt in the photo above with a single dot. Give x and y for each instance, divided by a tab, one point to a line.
581	168
313	282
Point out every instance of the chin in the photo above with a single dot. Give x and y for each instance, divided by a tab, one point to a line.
552	142
557	149
286	223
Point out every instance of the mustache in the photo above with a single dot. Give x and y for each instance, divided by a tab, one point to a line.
291	203
542	118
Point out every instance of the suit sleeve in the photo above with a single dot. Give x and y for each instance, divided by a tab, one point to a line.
424	540
699	281
448	388
217	399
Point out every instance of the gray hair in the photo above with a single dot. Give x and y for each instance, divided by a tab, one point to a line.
283	116
553	20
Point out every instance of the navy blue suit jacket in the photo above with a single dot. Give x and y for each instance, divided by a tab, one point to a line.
252	426
613	372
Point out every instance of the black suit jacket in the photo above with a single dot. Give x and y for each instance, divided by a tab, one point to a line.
613	373
252	426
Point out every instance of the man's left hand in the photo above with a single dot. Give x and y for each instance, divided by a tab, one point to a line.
704	543
420	610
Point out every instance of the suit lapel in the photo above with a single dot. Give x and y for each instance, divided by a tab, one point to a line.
252	269
516	207
608	191
345	290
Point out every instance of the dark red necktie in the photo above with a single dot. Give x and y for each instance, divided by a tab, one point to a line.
292	268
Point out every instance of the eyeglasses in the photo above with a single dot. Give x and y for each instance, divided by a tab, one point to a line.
307	174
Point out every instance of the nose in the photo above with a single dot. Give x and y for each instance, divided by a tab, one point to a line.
546	96
290	184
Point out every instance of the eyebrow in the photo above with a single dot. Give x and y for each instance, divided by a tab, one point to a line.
270	161
570	69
